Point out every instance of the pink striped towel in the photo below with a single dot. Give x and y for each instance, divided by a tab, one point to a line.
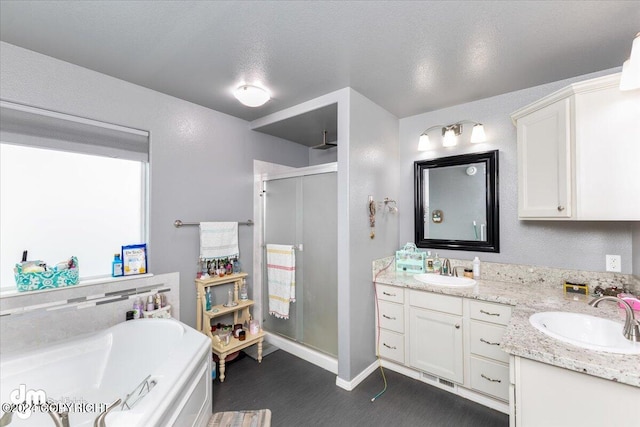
281	279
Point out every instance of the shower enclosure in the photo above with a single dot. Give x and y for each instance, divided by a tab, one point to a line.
300	209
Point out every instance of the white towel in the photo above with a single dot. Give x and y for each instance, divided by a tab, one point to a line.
281	278
218	240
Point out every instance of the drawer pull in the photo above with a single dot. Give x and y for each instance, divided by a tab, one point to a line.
388	294
388	317
457	326
489	342
388	346
489	314
560	208
490	379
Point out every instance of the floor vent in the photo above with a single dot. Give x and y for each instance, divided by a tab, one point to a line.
447	383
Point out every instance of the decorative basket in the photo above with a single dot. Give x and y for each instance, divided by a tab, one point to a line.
51	279
410	260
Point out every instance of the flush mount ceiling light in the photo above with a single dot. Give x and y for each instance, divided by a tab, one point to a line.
450	134
630	78
252	96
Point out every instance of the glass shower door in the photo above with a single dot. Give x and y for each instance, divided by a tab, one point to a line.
302	211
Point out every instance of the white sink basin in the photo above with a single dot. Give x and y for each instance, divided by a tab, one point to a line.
584	331
449	281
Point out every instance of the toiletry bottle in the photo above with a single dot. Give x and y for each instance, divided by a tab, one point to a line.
117	266
150	304
137	308
437	264
476	268
208	299
429	263
244	295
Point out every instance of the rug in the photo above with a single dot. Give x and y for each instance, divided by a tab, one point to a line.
267	348
257	418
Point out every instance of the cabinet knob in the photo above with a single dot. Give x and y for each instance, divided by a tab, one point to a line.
457	326
560	208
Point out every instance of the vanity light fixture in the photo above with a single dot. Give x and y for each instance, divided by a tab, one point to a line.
252	96
630	78
450	134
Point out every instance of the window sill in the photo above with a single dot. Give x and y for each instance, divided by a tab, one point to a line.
9	293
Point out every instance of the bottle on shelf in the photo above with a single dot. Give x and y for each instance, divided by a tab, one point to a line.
208	300
244	294
117	267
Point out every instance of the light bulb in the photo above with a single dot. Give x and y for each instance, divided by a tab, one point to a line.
449	139
252	96
477	134
423	143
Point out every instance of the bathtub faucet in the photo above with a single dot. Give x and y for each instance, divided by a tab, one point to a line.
99	422
60	419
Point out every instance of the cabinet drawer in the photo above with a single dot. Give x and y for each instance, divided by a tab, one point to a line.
489	312
443	303
391	316
390	293
485	341
490	377
391	346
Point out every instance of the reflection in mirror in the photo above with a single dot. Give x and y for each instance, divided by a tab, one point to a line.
457	202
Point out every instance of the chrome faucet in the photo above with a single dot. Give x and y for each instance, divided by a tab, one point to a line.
445	269
631	330
100	420
60	419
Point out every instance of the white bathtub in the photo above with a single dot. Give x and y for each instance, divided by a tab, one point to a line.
105	366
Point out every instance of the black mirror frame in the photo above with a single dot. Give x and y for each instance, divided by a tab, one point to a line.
492	244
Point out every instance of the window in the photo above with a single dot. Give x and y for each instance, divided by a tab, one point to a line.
68	197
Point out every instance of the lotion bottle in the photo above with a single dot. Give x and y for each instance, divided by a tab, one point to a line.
476	268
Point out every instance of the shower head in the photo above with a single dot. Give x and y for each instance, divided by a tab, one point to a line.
325	145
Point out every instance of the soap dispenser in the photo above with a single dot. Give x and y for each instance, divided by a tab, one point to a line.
437	264
429	263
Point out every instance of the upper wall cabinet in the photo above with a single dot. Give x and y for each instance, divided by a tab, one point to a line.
579	154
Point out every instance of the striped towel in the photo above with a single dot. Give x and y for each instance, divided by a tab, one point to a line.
218	240
281	278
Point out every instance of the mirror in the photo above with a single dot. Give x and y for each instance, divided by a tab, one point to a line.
456	202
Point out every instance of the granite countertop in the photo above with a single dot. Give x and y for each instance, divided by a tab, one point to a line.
522	339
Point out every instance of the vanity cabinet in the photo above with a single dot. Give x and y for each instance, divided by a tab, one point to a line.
578	153
545	395
448	341
435	335
391	322
488	364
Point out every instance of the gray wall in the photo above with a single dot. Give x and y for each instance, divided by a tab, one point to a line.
571	245
368	167
201	160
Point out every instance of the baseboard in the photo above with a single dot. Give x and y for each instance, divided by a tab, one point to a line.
350	385
312	356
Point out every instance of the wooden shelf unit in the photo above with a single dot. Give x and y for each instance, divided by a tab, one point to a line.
240	313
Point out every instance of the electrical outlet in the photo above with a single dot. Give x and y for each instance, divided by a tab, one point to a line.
614	263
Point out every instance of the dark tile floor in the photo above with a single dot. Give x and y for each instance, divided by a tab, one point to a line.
299	393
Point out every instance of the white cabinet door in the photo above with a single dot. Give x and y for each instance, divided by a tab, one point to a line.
544	162
435	343
544	395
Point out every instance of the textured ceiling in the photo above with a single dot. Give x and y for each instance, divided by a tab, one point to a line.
408	57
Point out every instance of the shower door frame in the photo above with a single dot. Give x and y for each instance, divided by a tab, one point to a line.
293	173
